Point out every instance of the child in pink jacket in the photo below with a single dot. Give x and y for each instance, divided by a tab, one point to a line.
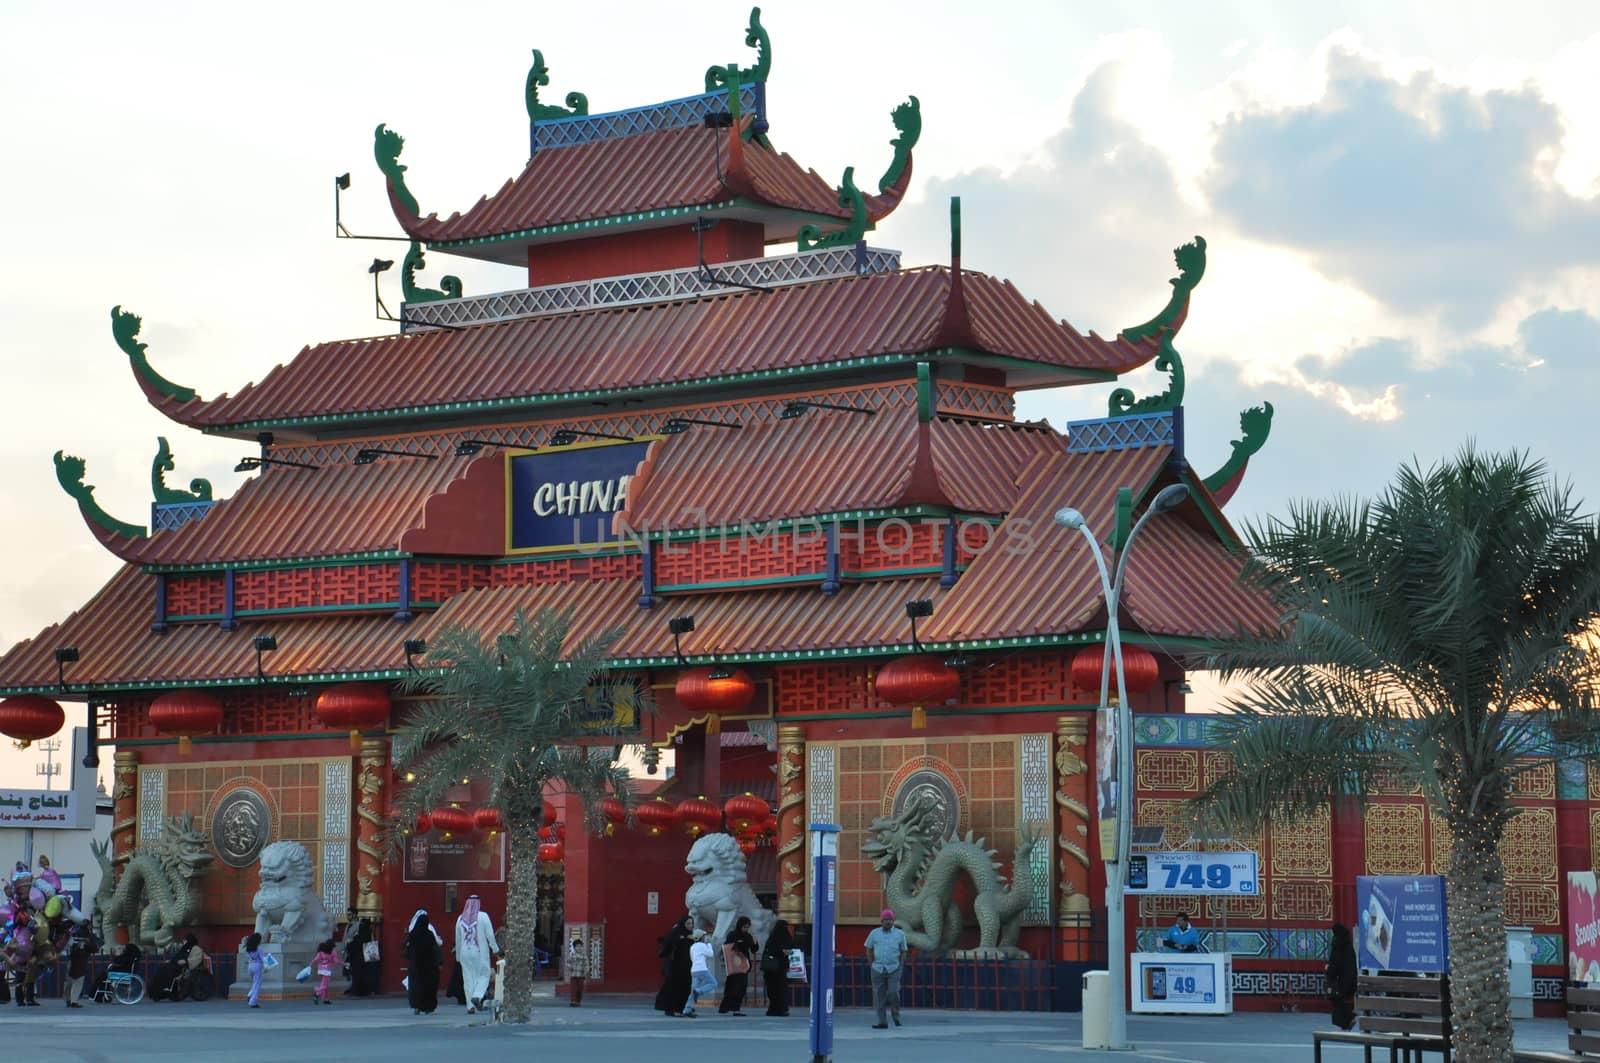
323	964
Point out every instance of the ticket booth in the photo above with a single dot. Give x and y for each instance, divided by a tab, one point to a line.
1187	983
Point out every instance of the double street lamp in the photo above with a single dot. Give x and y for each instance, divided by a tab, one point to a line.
1118	717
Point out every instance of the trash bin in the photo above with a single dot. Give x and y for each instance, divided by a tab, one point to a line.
1096	997
1519	960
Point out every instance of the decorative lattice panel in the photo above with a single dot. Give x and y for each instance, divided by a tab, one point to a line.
1439	841
1391	784
244	712
1021	679
1121	433
370	586
1170	814
825	688
1168	769
200	594
1302	900
1305	849
1536	783
1219	762
780	555
1394	840
674	114
601	566
437	581
1530	904
1529	846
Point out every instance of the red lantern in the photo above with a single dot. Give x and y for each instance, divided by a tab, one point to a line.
453	820
1139	669
549	814
424	823
657	816
354	707
551	853
30	717
747	847
186	713
744	811
917	680
720	691
615	813
488	820
699	816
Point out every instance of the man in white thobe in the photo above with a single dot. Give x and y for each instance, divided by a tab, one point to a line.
475	948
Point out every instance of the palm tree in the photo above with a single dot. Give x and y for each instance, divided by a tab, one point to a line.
507	714
1442	633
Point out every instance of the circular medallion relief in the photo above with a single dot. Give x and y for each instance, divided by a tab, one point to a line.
240	827
946	815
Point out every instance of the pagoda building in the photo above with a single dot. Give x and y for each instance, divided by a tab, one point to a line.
800	471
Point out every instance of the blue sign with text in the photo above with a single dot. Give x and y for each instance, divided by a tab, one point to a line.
564	498
1402	924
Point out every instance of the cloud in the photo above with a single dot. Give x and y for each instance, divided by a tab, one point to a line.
1428	196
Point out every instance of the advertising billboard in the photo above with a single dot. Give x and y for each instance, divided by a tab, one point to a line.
1402	924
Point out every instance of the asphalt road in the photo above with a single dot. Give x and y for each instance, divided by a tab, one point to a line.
625	1030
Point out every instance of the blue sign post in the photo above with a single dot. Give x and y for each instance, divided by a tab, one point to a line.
1402	926
824	899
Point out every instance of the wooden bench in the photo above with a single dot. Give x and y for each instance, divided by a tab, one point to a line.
1406	1015
1583	1031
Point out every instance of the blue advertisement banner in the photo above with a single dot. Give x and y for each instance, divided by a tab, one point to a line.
563	498
1179	983
1402	923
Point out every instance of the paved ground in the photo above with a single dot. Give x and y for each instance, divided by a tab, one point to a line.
623	1030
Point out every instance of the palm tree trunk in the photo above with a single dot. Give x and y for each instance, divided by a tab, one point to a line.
522	913
1479	987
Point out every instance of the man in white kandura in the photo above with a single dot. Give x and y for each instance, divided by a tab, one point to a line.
475	948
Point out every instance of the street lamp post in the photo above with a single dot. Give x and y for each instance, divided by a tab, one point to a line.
1116	863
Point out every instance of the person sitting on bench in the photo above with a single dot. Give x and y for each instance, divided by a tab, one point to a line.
1181	936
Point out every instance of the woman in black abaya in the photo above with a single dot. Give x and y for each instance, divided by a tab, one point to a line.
422	966
674	953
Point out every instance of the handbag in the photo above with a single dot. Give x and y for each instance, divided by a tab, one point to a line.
369	952
797	965
304	975
774	963
734	959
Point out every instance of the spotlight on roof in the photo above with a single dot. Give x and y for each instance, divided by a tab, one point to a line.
919	608
465	448
342	181
263	644
65	655
566	436
251	462
719	120
380	265
413	648
368	455
798	408
678	425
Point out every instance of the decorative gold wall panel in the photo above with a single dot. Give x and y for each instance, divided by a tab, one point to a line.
1168	813
1219	762
1529	846
1537	783
1532	905
1394	839
1439	839
1168	769
1389	783
1304	848
1303	900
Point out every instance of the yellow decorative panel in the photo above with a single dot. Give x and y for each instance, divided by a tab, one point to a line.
1394	839
1389	783
1168	769
1531	905
1305	847
1167	907
1529	846
1439	840
1218	762
1237	907
1594	837
1537	783
1169	814
1592	768
1302	900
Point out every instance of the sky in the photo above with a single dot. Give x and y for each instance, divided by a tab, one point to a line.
1401	203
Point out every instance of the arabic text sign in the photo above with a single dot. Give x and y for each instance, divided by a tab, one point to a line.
37	808
1187	872
564	498
1583	926
432	857
1402	924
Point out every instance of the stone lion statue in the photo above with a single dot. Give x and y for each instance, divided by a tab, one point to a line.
721	891
288	910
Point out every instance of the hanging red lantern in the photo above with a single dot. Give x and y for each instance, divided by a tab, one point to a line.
453	820
615	813
488	820
551	853
720	691
699	815
424	823
916	681
747	846
30	717
354	707
743	811
657	816
547	835
549	813
1139	669
185	713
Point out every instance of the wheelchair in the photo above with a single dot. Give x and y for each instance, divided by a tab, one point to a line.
123	987
192	985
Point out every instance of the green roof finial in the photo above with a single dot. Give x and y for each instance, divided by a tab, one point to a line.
125	328
69	471
1256	424
908	119
411	292
810	237
539	74
386	148
1169	361
719	77
1191	262
199	490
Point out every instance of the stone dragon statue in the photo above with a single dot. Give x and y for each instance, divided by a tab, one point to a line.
159	891
920	872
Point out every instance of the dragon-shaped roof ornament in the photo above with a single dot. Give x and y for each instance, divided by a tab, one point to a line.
412	292
69	473
386	148
125	329
723	77
199	490
1191	262
539	75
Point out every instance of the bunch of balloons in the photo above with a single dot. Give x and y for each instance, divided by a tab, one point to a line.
35	918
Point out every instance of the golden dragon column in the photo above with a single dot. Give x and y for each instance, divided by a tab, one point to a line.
791	823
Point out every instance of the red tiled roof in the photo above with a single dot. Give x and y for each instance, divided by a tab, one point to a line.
660	343
683	167
830	462
287	512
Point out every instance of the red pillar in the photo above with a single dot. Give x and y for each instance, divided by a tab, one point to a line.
1349	856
